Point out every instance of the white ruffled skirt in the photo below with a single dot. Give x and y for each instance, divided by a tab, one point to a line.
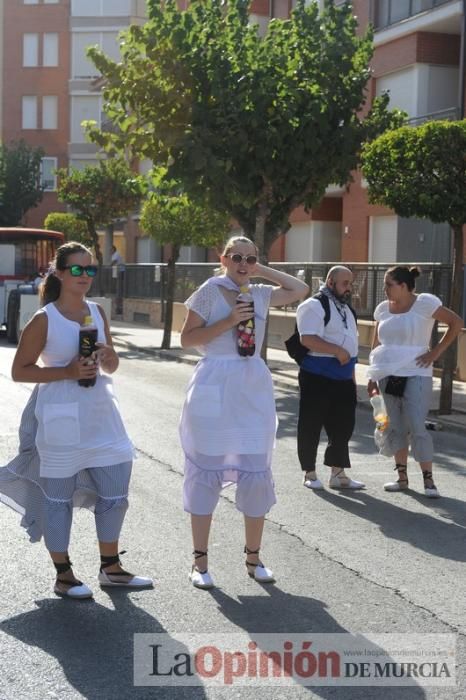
227	432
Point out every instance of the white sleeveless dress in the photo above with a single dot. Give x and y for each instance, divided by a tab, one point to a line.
78	427
228	423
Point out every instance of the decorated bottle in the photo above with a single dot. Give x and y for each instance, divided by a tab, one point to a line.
379	411
245	332
87	346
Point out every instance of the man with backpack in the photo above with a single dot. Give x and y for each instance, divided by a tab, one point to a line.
327	328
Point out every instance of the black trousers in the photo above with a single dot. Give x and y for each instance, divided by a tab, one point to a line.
330	404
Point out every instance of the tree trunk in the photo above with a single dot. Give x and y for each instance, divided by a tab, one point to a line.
98	252
456	297
170	291
108	244
259	239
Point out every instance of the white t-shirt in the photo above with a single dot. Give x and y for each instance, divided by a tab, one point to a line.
403	337
310	317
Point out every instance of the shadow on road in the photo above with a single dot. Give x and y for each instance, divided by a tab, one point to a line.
285	613
421	530
93	644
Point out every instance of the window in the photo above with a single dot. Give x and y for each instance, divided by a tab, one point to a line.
31	2
83	107
81	66
50	2
30	50
48	176
100	8
29	112
49	112
50	50
116	8
110	45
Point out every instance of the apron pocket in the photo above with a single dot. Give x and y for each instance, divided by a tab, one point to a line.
61	424
204	400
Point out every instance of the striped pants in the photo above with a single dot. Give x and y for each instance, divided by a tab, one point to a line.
111	503
46	505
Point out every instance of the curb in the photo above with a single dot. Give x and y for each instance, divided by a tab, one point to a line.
434	422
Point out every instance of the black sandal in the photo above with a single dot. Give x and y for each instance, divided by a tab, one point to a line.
200	579
260	572
75	589
431	490
132	582
402	483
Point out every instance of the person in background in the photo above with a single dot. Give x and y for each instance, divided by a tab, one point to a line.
327	381
228	423
116	257
39	278
74	450
401	368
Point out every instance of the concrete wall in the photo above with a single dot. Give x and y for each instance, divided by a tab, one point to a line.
281	326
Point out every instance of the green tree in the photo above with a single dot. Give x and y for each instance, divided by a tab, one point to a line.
171	217
257	125
421	172
73	228
100	194
20	187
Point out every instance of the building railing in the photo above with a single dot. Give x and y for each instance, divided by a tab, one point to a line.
149	281
450	114
385	13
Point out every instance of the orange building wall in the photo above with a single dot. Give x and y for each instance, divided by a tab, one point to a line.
420	47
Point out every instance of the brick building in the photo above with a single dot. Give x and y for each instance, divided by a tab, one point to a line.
48	89
47	83
417	58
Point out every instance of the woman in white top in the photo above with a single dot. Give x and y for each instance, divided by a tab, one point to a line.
228	422
74	450
401	367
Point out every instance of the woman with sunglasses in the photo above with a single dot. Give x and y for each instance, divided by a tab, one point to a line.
228	422
74	450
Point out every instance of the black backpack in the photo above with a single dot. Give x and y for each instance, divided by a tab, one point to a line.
293	345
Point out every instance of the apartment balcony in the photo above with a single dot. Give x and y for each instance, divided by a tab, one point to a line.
451	114
394	18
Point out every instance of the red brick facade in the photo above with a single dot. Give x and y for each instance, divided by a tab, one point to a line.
20	19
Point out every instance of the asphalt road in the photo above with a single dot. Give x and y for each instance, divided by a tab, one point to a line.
367	562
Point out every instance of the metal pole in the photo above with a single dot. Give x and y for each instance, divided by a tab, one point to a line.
462	66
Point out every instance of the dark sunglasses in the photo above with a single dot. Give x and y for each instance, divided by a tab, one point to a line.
79	270
237	258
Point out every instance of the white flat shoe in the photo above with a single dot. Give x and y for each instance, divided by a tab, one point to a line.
314	484
201	579
79	591
118	579
122	579
66	588
430	491
258	572
344	482
396	486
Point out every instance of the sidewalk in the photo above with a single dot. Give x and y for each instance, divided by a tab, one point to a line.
284	370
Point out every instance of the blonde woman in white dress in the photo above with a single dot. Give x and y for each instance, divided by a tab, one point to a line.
228	422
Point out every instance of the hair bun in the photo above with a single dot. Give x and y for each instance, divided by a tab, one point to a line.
414	272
